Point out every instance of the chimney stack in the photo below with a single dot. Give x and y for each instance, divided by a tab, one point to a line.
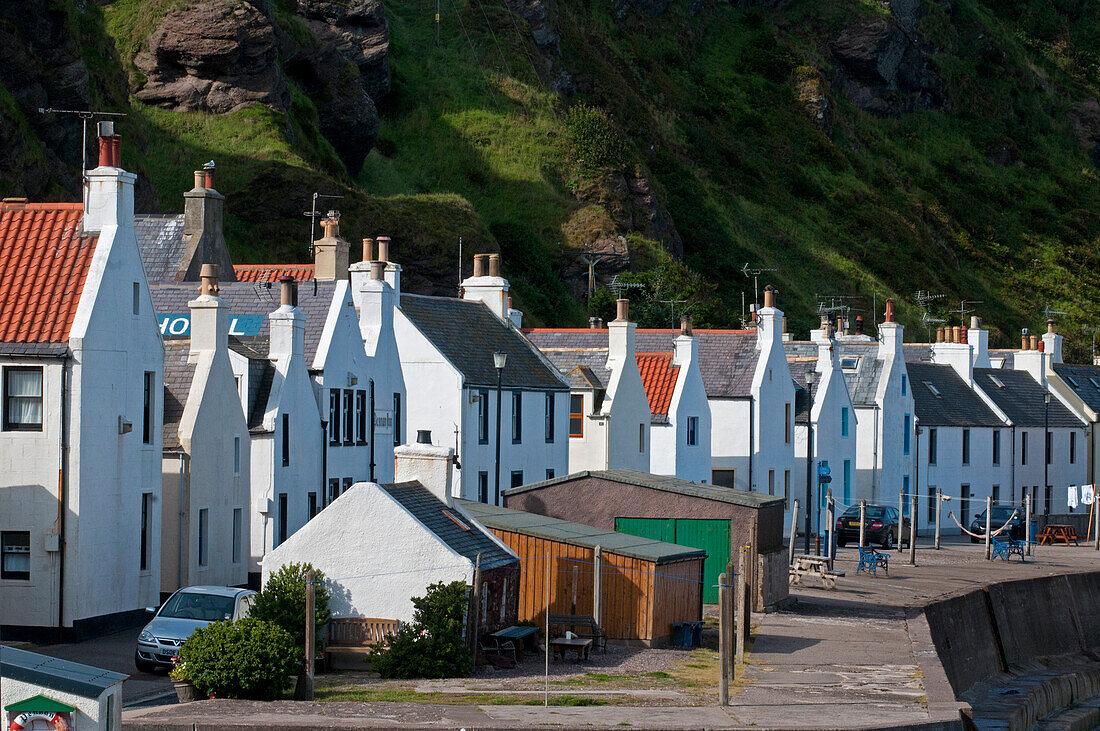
202	230
1042	346
494	265
963	334
108	189
1050	325
1033	342
288	292
488	286
368	250
378	270
890	309
208	175
209	317
1023	340
1052	343
480	264
859	324
622	309
975	322
429	465
384	248
593	323
331	254
685	325
209	277
769	296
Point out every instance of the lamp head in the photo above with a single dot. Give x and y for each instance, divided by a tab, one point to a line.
500	360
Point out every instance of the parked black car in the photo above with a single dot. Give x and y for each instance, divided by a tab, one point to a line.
1001	514
881	526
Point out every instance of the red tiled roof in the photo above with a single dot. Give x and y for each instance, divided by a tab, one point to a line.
272	272
659	378
43	264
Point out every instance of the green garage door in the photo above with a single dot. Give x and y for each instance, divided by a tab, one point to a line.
712	536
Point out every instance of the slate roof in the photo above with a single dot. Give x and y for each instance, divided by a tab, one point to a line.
576	534
727	358
63	676
467	333
261	374
272	272
863	381
956	404
429	510
44	262
1021	398
917	352
799	369
160	240
247	298
1084	380
659	379
178	374
662	483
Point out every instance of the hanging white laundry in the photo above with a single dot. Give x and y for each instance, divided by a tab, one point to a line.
1087	494
1072	496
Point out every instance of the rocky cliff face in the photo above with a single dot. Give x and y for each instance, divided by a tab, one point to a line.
221	55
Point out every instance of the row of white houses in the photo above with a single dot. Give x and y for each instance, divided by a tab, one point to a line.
169	418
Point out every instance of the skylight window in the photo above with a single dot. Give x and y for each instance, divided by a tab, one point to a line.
1072	382
1093	380
996	382
997	362
849	364
456	521
935	391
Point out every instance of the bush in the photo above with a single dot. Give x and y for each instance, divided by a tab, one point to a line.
282	601
593	139
249	658
431	646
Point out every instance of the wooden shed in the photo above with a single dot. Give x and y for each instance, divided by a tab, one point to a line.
643	585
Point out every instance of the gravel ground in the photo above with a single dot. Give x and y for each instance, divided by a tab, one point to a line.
616	661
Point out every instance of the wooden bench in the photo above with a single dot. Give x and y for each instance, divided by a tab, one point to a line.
813	566
351	638
581	625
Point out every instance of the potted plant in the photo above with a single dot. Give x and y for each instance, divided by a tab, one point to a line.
181	681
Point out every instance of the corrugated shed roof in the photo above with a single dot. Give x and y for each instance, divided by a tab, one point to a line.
44	262
63	676
660	482
160	240
576	534
659	379
1084	380
951	403
467	333
248	298
272	272
727	358
178	374
1021	398
432	512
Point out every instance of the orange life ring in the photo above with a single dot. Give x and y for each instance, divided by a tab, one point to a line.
21	721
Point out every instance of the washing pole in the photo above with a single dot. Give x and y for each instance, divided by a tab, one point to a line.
988	524
862	523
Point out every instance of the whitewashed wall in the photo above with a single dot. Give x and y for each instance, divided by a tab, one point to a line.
91	713
670	453
625	403
731	447
773	392
949	474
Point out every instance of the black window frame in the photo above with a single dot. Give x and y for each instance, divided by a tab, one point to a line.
361	417
6	545
236	547
966	446
283	521
203	548
20	426
483	487
1023	447
550	473
548	418
135	304
396	419
517	417
311	505
483	416
996	446
146	530
933	450
346	484
1073	447
286	439
332	490
148	384
692	436
516	479
1049	446
334	417
349	417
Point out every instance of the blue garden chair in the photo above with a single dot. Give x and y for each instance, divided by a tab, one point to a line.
1004	550
872	560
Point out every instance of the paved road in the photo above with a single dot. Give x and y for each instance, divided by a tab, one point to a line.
113	652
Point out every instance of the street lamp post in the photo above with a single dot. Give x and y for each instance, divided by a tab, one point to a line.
809	454
499	360
1046	450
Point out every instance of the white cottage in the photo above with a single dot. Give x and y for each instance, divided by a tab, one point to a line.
681	428
450	349
81	372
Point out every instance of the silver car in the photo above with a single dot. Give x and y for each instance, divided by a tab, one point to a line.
184	612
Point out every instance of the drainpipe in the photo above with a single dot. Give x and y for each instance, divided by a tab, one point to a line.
62	496
324	468
1014	463
372	430
179	528
752	435
874	463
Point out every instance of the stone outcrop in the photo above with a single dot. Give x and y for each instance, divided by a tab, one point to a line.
357	29
1085	117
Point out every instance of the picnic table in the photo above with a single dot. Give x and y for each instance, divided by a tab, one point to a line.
1055	531
580	645
819	566
519	637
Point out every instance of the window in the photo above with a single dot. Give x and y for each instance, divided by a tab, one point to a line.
146	529
724	478
517	417
1046	500
347	485
931	503
483	487
147	409
771	482
849	363
136	298
1093	382
931	446
333	489
1071	381
517	478
641	437
204	536
787	487
334	417
1073	447
904	383
966	446
283	519
397	430
847	480
23	398
1049	445
238	533
786	423
15	555
1023	447
692	430
905	495
361	417
311	505
576	415
349	417
935	391
843	421
996	446
996	494
908	429
997	381
483	416
237	454
286	440
549	474
548	419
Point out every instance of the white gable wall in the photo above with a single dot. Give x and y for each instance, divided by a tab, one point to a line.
625	403
773	394
730	443
670	453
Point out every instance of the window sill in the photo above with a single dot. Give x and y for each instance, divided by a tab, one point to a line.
361	443
25	582
349	444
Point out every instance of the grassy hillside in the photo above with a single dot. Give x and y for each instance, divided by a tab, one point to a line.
986	195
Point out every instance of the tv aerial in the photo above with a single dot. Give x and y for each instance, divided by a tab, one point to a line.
755	274
619	287
924	299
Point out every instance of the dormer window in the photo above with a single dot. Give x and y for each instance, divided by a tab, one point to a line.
935	391
849	364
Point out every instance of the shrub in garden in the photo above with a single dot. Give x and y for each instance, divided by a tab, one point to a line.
431	646
282	600
249	658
